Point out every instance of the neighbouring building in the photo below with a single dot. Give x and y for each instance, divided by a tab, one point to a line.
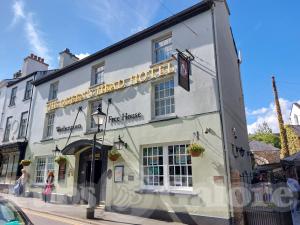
264	153
175	83
295	114
15	104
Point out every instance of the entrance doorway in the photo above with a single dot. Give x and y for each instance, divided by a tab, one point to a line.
84	172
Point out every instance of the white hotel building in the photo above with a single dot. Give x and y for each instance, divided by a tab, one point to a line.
154	175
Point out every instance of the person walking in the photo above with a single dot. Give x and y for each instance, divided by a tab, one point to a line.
20	186
48	187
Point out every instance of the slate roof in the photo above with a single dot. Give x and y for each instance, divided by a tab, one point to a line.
296	129
259	146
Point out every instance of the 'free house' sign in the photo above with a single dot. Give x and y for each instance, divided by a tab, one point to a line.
124	117
153	73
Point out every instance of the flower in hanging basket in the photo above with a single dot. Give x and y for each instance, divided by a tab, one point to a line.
196	150
60	159
114	154
25	162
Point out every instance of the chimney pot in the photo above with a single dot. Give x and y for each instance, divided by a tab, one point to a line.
31	55
39	58
42	60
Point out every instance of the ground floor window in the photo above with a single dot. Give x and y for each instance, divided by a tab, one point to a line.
9	168
167	167
44	165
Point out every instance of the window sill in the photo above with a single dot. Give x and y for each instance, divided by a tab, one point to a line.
161	62
52	100
96	85
11	105
47	139
157	192
37	185
163	118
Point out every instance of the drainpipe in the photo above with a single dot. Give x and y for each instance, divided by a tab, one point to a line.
29	111
225	152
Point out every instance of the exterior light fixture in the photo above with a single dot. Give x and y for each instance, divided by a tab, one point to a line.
56	150
120	144
242	152
99	116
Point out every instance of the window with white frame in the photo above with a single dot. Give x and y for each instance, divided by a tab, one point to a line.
44	165
164	98
93	108
28	90
53	91
98	75
23	125
167	167
13	96
162	49
7	128
49	124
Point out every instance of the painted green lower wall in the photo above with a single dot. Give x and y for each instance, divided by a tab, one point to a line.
208	197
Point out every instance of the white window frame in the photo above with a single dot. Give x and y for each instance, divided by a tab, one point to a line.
154	99
23	125
48	125
53	91
156	49
13	96
49	160
92	110
166	187
8	127
28	90
95	73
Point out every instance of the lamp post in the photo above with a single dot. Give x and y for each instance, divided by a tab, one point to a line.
99	118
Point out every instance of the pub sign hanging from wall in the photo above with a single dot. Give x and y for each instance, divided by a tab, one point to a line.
184	67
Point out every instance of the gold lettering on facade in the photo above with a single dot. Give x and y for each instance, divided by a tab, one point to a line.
152	73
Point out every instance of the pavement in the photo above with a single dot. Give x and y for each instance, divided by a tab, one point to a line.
37	207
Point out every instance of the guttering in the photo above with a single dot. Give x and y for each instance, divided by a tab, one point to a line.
160	26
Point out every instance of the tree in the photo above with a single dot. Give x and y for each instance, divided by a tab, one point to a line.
264	133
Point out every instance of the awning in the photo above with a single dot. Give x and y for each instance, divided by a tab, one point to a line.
77	146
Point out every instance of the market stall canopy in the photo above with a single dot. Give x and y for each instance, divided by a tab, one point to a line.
79	145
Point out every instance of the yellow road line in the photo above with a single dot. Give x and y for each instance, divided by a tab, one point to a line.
53	217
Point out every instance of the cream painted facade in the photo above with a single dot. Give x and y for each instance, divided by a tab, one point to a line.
211	114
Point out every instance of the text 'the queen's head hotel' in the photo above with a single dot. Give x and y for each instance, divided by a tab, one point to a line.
162	89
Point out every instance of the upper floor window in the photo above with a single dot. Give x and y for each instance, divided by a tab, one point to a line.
49	125
296	120
98	75
53	91
28	90
13	96
7	128
162	49
164	98
23	124
93	108
167	167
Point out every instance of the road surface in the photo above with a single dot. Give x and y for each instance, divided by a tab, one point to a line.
43	218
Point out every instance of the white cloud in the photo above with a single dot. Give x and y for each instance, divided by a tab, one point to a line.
118	19
268	114
82	55
33	34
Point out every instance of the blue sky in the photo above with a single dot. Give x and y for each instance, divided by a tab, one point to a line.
267	33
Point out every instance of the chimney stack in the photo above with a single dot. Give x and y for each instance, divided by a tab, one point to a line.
33	63
66	58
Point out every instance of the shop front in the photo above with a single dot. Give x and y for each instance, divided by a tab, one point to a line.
11	156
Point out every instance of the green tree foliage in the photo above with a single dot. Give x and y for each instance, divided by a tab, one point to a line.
264	133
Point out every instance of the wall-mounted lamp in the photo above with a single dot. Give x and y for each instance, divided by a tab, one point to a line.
120	144
208	130
242	151
56	151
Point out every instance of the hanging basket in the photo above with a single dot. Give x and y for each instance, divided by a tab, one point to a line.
196	150
114	155
25	162
60	160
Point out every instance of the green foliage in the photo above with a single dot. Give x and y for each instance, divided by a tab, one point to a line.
194	147
60	159
114	152
264	134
